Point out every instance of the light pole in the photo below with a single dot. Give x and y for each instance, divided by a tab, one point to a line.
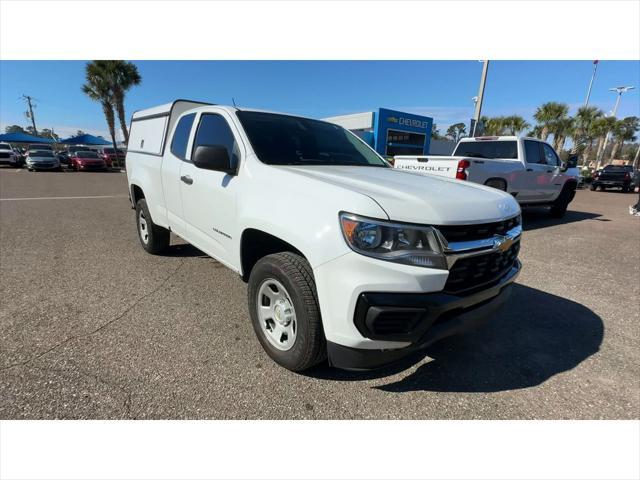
595	67
483	81
619	91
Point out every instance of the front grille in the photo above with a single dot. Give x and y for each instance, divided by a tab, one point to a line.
463	233
471	272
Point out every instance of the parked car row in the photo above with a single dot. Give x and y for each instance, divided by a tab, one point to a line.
44	157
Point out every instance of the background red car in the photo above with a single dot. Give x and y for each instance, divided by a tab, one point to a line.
86	160
110	156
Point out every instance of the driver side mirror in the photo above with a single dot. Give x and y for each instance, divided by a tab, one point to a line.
213	157
572	162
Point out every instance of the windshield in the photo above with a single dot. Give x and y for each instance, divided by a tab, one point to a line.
87	154
5	146
42	154
488	149
287	140
40	147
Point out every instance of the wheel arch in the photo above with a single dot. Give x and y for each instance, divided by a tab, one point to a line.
256	244
496	179
135	194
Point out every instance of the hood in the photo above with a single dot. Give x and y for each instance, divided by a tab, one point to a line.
416	198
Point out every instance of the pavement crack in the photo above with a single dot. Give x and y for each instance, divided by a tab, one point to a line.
101	327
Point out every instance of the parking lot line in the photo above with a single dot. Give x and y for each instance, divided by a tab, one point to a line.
60	198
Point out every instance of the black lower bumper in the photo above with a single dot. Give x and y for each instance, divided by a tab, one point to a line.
611	183
435	316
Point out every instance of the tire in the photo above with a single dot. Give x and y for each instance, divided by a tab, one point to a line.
559	207
593	188
294	274
153	238
497	183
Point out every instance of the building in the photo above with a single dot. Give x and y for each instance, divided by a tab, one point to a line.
390	132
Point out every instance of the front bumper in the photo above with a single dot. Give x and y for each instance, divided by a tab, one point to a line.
612	183
101	166
43	166
435	316
9	161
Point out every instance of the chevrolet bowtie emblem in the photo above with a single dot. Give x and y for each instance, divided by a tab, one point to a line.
502	243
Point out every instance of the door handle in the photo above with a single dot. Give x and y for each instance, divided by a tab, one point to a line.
529	169
549	171
186	179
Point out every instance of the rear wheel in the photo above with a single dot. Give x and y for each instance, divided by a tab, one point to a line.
153	238
283	304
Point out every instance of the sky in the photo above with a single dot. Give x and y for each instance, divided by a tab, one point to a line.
439	89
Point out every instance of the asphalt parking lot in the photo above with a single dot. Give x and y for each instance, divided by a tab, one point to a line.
92	327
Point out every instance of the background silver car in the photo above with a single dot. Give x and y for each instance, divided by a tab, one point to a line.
42	160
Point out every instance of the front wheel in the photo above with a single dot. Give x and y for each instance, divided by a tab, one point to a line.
153	238
283	304
559	207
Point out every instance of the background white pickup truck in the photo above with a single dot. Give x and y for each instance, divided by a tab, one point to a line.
527	168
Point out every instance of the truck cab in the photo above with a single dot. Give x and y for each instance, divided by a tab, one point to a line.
346	258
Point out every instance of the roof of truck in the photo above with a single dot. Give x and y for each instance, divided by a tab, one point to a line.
165	109
497	138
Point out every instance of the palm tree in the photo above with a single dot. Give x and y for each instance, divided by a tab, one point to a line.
562	129
494	126
547	115
125	76
535	132
624	131
98	88
584	132
514	124
456	131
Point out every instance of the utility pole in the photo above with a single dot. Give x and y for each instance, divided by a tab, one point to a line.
483	81
619	91
33	120
595	67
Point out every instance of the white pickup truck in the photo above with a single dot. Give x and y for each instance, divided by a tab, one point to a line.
345	256
527	168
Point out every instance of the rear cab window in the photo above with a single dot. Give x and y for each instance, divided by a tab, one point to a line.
533	152
506	149
181	134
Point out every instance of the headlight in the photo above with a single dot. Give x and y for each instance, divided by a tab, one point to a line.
407	244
